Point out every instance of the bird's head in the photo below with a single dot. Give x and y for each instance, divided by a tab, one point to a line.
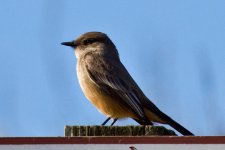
92	41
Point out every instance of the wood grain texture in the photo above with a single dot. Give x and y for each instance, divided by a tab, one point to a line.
117	131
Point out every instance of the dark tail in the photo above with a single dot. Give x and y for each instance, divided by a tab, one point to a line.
152	113
172	123
162	118
178	127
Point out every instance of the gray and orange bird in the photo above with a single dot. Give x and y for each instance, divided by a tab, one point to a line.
108	85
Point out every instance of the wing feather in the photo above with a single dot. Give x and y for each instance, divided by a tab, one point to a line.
111	78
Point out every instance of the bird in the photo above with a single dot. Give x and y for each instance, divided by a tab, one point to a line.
107	84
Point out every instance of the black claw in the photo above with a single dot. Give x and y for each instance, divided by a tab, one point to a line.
114	121
106	121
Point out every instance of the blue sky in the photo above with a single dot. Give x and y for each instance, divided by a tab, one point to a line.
175	51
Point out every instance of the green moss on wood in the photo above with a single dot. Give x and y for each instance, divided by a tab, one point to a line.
117	131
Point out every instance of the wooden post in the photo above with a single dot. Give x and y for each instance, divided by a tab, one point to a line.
146	130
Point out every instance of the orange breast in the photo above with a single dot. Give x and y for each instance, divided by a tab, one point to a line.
105	103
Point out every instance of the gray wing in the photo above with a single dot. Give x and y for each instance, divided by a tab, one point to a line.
114	79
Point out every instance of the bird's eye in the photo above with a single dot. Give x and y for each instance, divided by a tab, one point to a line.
89	41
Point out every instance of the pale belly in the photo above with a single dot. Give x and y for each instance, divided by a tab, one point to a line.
105	103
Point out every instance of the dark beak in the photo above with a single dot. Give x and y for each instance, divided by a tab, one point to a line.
72	44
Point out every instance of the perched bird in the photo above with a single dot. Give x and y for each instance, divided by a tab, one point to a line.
108	85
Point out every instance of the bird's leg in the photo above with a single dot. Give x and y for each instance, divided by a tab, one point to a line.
106	121
114	121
